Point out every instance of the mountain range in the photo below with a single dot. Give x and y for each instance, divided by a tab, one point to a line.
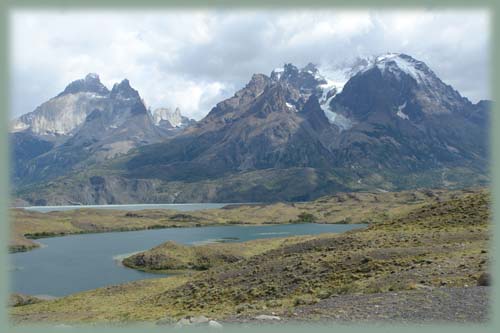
385	123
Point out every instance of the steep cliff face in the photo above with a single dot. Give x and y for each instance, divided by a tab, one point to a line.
63	114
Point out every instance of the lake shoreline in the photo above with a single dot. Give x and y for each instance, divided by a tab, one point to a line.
181	207
341	208
25	248
85	261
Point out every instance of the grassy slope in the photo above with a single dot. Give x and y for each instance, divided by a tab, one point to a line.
440	244
341	208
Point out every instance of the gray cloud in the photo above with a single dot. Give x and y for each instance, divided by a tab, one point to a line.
194	59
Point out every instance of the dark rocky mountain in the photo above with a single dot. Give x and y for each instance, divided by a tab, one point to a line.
294	135
265	125
25	146
402	118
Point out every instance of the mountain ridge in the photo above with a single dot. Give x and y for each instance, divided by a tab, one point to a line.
393	125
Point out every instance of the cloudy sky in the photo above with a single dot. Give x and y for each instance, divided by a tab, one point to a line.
195	58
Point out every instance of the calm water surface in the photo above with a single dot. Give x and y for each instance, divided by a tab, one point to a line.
182	207
70	264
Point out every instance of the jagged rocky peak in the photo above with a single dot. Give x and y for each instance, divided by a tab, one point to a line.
306	80
290	72
91	83
123	90
169	118
286	72
60	115
255	86
310	68
63	114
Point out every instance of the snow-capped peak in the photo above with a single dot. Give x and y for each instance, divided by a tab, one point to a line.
397	63
388	55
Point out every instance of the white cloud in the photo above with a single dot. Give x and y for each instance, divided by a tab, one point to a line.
194	58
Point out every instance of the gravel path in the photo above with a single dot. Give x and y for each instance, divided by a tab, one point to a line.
438	305
458	305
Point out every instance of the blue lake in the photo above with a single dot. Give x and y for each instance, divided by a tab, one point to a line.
69	264
181	207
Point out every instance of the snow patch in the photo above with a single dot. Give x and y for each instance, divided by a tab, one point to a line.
93	76
342	122
277	72
451	148
335	78
400	112
291	107
334	118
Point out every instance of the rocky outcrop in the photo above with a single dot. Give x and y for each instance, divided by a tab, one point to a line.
21	300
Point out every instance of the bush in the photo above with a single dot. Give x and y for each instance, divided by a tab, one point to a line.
484	280
306	217
305	300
